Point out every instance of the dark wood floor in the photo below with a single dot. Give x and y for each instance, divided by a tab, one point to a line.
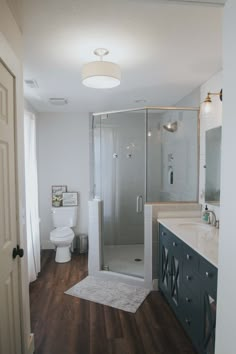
64	324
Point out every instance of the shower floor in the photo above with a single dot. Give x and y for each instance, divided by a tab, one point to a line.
121	259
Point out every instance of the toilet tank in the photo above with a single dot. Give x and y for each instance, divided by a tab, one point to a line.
64	216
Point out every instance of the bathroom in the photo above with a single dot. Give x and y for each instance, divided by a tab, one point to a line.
65	134
85	136
49	154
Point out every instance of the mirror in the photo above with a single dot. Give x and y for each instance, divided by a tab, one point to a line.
213	157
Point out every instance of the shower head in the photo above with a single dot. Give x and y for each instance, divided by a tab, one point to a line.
171	127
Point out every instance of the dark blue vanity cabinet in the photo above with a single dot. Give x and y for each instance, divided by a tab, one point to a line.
170	268
189	282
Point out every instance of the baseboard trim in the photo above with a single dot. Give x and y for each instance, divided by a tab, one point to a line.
31	344
155	284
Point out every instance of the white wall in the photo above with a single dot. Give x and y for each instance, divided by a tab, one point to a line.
191	100
16	7
226	323
63	159
28	107
209	121
10	29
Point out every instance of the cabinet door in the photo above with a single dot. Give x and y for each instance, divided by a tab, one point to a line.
208	294
169	277
191	315
164	257
209	316
175	261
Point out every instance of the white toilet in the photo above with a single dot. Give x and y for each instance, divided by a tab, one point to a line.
62	236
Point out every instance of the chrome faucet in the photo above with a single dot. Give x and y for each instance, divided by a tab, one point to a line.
213	219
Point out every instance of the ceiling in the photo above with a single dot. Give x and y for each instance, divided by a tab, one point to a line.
164	49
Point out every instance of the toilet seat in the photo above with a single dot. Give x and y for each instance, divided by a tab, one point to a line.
61	233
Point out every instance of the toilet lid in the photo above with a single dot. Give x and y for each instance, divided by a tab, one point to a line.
61	232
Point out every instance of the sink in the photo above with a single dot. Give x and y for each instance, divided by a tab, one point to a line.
195	226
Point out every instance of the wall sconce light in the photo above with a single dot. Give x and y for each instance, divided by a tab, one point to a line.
208	101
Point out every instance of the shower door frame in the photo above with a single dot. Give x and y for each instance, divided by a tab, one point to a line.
95	205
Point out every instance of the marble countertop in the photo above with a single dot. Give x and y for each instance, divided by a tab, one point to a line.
201	237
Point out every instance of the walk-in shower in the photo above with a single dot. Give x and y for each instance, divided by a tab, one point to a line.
139	156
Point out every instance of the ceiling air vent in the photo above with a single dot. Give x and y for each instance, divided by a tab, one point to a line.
32	83
58	101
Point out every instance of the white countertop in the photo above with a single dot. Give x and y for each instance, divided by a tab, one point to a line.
201	237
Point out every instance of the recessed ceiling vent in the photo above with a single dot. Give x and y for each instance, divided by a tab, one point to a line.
58	101
32	84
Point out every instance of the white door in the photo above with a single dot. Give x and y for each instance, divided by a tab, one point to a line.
10	334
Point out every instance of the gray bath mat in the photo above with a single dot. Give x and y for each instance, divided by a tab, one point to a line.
118	295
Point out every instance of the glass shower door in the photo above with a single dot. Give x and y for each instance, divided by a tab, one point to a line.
122	163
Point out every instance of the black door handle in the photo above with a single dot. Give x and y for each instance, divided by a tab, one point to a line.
17	252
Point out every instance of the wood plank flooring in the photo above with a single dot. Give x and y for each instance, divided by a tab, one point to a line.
64	324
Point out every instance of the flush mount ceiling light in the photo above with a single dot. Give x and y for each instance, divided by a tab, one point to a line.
207	103
101	74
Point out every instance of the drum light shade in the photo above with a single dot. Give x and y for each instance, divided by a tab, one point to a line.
101	74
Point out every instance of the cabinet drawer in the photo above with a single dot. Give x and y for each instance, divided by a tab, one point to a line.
165	236
208	275
191	323
191	314
171	241
190	300
190	279
176	245
190	259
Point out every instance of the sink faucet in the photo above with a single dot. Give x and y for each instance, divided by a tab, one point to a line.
213	219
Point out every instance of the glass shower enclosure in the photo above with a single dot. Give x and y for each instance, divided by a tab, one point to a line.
140	156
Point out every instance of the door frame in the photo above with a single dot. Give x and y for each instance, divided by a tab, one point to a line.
14	66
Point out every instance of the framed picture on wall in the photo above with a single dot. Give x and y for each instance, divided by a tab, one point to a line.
70	199
57	195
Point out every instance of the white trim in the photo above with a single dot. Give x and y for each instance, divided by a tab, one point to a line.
161	108
31	346
14	65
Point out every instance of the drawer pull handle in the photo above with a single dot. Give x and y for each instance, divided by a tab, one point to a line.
163	233
208	275
188	299
188	257
174	244
188	277
187	321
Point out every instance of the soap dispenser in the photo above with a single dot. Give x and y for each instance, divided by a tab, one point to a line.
205	215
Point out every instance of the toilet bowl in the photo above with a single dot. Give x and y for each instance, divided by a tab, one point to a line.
62	236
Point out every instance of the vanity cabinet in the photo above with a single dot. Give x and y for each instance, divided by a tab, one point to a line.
170	268
189	283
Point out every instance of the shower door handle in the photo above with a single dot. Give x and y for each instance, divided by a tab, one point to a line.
139	204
